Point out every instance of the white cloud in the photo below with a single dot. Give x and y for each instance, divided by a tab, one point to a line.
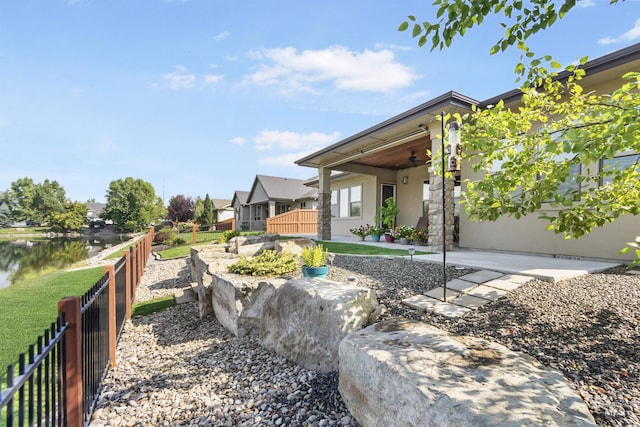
372	71
626	37
238	140
282	160
180	79
212	78
285	140
221	36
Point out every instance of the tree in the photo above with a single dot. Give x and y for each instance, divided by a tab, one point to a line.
132	204
5	215
28	200
180	208
198	207
72	218
550	149
207	211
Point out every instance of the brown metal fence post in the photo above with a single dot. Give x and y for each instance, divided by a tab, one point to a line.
130	291
112	314
70	306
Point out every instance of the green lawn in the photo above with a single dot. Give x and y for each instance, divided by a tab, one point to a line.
357	249
24	230
28	307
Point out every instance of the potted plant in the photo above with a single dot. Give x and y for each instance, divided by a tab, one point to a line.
386	216
403	232
420	236
361	231
376	232
314	261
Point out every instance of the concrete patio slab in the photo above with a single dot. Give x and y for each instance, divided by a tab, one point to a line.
482	276
420	302
487	292
460	285
449	310
541	267
469	301
516	278
438	293
505	285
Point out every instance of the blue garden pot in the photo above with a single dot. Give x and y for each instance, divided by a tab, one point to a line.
317	272
375	237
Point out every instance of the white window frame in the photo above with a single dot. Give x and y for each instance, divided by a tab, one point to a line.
345	200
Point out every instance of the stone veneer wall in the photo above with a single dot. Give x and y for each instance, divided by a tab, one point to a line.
436	235
324	216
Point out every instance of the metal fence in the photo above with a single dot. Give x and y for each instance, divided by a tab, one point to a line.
58	380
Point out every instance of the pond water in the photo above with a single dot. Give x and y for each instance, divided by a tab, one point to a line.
20	257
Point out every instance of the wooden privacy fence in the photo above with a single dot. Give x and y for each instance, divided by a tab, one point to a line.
299	221
58	381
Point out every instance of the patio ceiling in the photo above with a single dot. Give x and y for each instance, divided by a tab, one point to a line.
388	145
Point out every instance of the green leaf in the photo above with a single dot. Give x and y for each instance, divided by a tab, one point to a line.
404	26
416	30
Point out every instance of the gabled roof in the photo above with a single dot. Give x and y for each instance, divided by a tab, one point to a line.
279	188
97	208
241	197
220	203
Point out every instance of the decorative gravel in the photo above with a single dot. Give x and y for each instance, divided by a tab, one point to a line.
174	369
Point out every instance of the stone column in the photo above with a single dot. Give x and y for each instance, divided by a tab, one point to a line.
436	233
324	204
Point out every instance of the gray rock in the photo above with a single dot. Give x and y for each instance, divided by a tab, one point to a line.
305	319
410	373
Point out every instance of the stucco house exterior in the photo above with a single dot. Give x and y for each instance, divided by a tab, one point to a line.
241	209
390	160
222	210
272	195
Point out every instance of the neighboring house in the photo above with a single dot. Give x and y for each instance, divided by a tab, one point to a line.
241	209
94	211
272	195
222	210
390	160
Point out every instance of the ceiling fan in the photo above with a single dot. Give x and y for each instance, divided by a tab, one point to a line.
413	159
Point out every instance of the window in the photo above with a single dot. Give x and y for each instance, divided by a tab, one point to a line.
280	209
572	184
346	202
425	198
618	163
257	213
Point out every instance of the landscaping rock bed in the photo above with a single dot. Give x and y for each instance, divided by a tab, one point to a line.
175	369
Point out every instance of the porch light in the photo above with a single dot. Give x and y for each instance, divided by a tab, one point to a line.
411	251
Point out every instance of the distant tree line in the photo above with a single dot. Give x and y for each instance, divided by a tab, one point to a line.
131	204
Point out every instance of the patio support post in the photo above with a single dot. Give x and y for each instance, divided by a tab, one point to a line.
439	235
324	204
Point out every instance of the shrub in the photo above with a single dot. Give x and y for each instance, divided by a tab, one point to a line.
178	241
228	235
161	237
268	263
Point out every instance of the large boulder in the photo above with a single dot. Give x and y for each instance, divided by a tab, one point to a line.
412	374
305	319
294	246
206	261
238	301
252	244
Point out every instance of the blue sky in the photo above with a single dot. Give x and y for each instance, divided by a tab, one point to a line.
199	96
